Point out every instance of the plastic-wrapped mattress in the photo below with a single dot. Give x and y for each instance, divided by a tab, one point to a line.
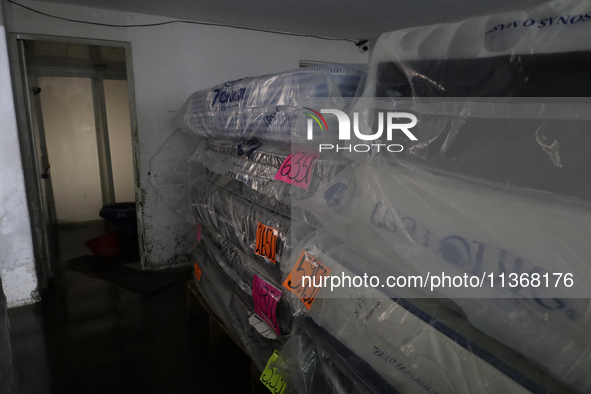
416	345
538	52
237	220
313	366
502	100
234	310
242	269
309	370
418	223
236	187
268	107
254	165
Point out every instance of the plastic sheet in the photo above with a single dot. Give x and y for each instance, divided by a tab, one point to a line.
501	100
312	370
536	52
264	200
237	220
254	166
306	365
530	154
495	184
415	345
407	221
241	268
496	180
234	310
268	107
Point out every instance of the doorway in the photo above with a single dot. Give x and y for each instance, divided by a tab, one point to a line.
78	150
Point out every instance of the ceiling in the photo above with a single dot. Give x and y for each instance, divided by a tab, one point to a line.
356	19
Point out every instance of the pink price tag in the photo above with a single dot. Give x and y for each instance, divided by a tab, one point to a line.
266	298
199	230
297	169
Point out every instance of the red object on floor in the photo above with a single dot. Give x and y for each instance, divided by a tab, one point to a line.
106	245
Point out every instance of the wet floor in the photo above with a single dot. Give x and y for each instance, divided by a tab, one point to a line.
91	336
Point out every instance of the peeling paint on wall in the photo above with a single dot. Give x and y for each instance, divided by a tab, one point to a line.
17	264
20	285
168	175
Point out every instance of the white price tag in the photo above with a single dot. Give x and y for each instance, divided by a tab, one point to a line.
262	327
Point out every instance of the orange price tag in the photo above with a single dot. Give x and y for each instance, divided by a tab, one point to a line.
314	271
198	272
266	242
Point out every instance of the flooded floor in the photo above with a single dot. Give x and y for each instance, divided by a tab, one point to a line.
91	336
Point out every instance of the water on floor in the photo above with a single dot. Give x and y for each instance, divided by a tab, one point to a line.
89	335
72	237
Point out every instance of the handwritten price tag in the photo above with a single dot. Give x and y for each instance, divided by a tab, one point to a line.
309	266
266	298
266	242
197	272
271	378
297	169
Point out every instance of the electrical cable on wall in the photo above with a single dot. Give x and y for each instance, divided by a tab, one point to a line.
356	42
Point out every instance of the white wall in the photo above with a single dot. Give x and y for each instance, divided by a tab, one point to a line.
117	105
169	63
70	133
17	264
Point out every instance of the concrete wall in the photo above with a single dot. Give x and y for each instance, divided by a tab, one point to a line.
17	264
169	63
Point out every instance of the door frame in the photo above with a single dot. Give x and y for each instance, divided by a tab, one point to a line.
41	241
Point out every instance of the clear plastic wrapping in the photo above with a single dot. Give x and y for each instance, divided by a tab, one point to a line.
242	268
234	310
268	107
252	166
304	364
538	52
539	155
264	200
237	220
407	221
501	100
312	370
493	183
415	345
